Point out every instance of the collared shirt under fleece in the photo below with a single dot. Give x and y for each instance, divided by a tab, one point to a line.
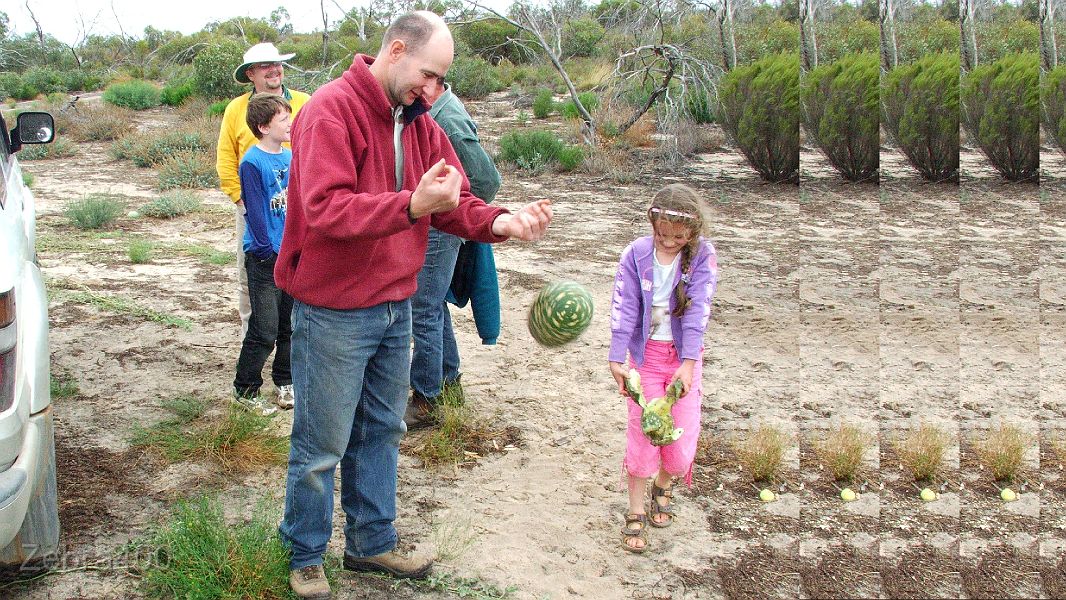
631	303
234	139
349	242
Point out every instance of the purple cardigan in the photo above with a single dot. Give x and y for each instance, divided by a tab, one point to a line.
631	303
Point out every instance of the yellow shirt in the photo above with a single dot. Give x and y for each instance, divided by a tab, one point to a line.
234	139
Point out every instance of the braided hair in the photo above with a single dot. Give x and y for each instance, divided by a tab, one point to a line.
678	203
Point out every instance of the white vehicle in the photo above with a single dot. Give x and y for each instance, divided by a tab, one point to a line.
29	521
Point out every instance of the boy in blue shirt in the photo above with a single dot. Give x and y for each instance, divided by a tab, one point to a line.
264	175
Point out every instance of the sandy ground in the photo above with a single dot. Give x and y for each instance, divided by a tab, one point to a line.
882	307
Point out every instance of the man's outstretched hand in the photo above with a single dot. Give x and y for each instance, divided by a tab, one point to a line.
527	224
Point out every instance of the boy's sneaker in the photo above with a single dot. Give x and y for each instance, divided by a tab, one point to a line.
286	398
253	404
310	583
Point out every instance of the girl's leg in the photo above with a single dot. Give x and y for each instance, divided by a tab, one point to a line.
633	535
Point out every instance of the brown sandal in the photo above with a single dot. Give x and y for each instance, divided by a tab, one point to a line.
661	509
630	532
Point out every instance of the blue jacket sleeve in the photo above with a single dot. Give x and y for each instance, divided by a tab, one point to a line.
255	206
485	293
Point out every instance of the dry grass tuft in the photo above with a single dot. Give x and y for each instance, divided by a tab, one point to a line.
921	451
1003	451
239	441
761	454
612	164
841	451
458	435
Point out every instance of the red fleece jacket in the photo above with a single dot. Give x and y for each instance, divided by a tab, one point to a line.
348	241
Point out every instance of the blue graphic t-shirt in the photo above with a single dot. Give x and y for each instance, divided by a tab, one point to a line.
264	188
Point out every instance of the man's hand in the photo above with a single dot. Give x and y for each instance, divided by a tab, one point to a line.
527	224
437	191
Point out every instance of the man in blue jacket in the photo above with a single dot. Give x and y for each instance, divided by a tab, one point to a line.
435	360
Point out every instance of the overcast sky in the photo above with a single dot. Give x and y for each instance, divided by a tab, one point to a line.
63	18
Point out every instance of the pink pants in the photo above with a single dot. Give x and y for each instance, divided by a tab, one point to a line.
643	459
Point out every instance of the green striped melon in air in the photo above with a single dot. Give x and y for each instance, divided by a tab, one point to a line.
561	312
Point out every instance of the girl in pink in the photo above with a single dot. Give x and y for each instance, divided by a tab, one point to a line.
659	312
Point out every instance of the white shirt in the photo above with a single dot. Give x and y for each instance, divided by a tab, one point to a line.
663	283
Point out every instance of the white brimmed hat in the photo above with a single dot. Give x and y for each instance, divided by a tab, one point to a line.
259	53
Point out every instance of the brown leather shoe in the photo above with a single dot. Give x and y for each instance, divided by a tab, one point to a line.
393	563
419	412
310	583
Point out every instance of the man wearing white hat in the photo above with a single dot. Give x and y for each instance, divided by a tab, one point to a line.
262	67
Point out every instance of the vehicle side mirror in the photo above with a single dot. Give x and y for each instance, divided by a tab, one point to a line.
32	128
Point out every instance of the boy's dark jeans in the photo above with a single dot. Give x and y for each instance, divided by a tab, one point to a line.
269	326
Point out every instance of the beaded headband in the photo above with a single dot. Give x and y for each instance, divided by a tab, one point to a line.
671	213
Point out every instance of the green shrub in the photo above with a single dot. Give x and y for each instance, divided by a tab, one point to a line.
101	123
571	157
11	86
135	94
543	104
532	150
198	555
27	178
588	100
151	149
174	94
214	70
921	111
173	204
841	113
60	148
760	111
188	169
1053	100
699	108
1000	107
216	109
94	211
472	77
581	36
493	40
44	80
140	251
81	81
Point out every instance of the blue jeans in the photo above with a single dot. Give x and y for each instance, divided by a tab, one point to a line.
350	373
436	355
268	328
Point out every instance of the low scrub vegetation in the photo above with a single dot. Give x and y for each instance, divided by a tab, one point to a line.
762	452
841	452
135	94
94	211
188	169
536	150
172	204
197	554
59	148
1002	451
921	451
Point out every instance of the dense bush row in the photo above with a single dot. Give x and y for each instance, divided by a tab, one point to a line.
1000	108
840	111
760	112
921	111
